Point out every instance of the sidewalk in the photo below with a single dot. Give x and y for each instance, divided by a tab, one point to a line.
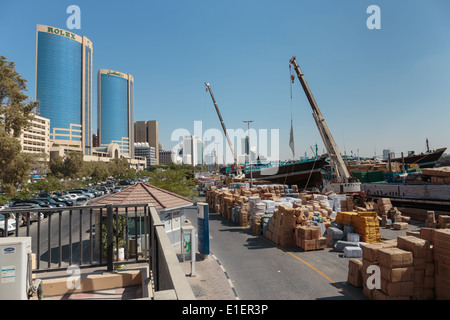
210	280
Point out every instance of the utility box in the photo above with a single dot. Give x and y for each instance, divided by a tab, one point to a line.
203	228
15	264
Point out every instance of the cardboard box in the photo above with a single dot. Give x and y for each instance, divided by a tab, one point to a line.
395	258
400	225
443	220
442	288
397	274
370	251
380	295
308	245
405	288
427	234
423	294
418	247
354	276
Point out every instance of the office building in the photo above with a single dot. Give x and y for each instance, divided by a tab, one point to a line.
147	131
167	156
64	87
142	149
115	110
193	148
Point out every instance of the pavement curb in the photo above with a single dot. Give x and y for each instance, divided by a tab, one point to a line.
226	274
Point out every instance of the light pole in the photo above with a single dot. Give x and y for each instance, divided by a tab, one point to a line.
249	152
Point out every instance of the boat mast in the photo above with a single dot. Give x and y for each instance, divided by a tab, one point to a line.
338	163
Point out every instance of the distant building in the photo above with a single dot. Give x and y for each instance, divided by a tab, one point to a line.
36	138
192	150
147	131
167	156
115	110
142	149
387	153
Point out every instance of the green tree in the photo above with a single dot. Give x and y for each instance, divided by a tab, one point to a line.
15	114
15	111
176	181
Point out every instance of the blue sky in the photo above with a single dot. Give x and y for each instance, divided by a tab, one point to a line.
377	89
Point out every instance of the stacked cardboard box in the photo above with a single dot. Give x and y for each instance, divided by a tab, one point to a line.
442	263
423	265
397	274
444	221
438	175
370	258
281	228
383	206
400	225
256	226
430	221
354	276
347	204
367	225
309	238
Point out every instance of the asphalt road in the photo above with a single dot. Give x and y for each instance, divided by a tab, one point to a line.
262	270
51	232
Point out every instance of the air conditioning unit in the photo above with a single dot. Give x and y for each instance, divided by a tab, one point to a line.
16	281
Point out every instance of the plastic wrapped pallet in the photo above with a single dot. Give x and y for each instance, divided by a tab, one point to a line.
353	237
352	252
340	245
336	233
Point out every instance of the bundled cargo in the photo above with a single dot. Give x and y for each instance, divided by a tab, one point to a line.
367	226
423	268
354	276
392	284
441	247
309	238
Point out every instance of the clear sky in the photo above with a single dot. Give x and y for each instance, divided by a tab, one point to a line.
377	89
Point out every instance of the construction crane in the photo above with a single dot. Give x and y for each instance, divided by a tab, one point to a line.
239	173
340	169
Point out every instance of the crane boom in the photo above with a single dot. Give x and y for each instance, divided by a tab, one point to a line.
339	166
238	168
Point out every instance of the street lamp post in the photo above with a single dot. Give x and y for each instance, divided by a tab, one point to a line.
249	152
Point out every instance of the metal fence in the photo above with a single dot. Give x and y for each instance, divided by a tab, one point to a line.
93	236
89	236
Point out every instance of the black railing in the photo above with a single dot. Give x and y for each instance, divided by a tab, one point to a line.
88	236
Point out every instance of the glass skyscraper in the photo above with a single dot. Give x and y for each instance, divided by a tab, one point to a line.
115	110
64	86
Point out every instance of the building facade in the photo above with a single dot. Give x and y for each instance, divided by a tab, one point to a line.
142	149
166	156
147	131
193	148
116	110
36	137
64	87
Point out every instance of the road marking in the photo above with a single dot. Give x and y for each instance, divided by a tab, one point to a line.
313	268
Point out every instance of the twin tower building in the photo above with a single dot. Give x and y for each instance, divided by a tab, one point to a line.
64	81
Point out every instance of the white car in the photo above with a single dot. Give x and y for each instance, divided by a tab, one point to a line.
11	224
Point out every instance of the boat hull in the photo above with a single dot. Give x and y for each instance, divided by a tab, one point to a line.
305	174
427	160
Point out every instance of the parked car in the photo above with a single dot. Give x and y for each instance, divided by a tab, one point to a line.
39	202
51	201
103	188
11	224
117	189
81	193
66	201
96	193
34	215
